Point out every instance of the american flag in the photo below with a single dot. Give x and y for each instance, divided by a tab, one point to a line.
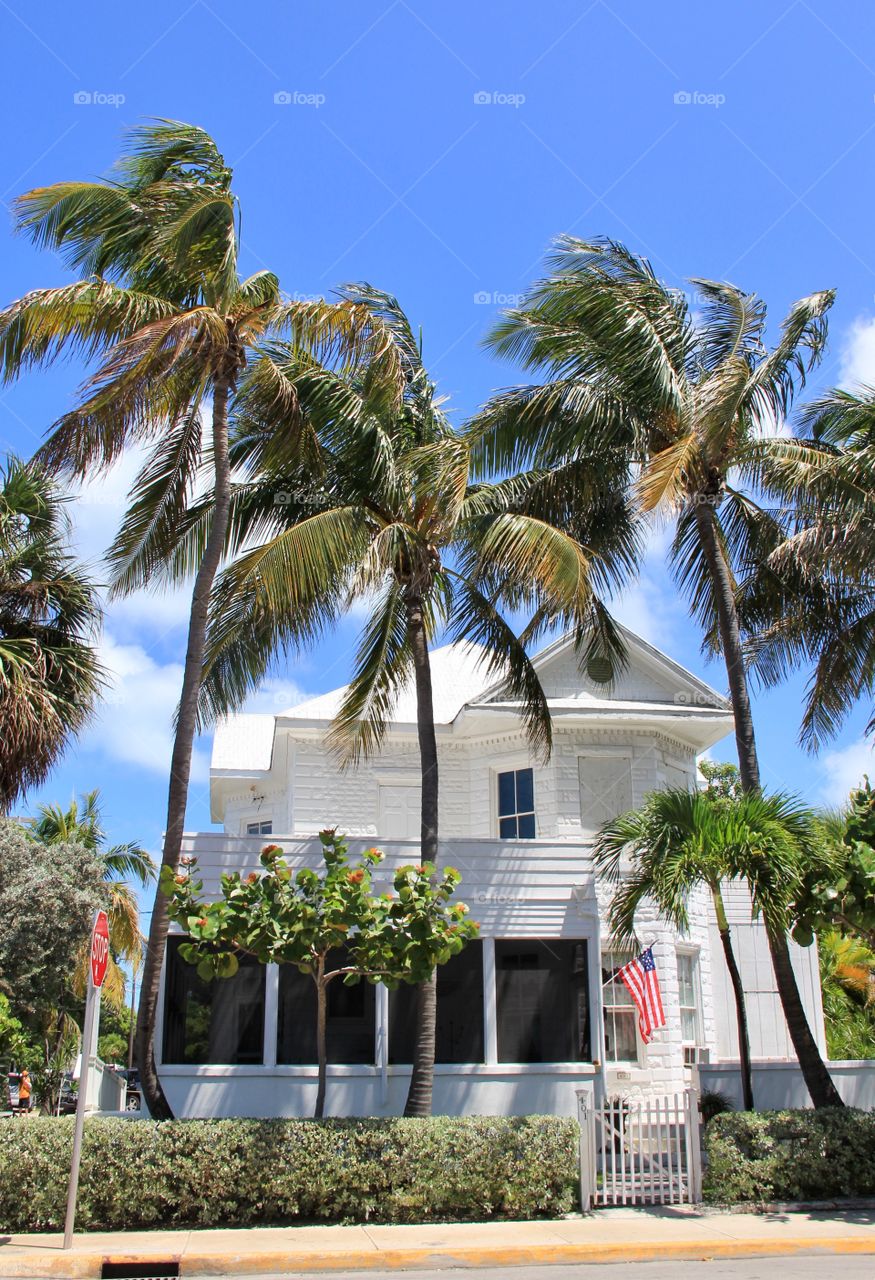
639	977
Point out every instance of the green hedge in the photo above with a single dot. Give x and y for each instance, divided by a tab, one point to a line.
790	1155
209	1173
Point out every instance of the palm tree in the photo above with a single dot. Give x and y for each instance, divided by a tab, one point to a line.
812	601
83	824
684	407
50	677
162	307
847	977
385	514
676	842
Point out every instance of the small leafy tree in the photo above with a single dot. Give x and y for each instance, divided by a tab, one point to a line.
844	900
301	918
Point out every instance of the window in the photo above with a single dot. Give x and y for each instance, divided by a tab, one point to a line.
621	1016
516	805
400	811
259	828
219	1022
688	998
605	788
542	999
459	1022
350	1023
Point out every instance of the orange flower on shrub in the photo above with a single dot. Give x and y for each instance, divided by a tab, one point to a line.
356	877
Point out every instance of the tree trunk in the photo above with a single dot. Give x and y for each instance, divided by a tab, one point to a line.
419	1095
817	1079
321	1047
738	992
180	762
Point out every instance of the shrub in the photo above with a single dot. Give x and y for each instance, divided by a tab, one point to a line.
790	1155
208	1173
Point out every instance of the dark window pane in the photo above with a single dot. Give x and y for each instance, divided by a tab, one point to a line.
525	791
507	828
219	1022
351	1018
506	794
459	1029
542	996
526	824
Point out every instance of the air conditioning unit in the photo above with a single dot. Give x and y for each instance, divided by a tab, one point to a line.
696	1055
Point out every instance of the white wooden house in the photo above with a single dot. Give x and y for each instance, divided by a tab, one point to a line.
525	1015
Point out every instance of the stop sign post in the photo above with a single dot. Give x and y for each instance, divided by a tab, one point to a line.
98	960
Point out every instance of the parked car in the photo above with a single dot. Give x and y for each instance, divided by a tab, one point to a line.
69	1094
134	1100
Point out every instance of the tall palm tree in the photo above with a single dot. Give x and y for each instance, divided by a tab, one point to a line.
389	516
677	842
684	405
83	824
812	601
161	306
50	677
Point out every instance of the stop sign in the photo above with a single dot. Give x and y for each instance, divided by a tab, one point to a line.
99	948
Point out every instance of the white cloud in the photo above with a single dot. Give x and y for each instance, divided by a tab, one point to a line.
135	723
857	361
843	769
276	694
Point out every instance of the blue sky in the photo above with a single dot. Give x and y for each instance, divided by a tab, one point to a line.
434	149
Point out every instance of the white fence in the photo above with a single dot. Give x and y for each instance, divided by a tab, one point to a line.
639	1150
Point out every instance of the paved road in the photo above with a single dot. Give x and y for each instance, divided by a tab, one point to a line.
800	1267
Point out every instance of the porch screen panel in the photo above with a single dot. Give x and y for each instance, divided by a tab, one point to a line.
350	1022
542	998
459	1019
219	1022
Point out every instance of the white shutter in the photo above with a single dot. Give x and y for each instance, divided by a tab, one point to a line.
400	812
605	788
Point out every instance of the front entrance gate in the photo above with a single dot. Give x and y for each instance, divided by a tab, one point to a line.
637	1151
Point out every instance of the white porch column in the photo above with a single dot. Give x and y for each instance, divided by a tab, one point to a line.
490	1017
271	1013
381	1048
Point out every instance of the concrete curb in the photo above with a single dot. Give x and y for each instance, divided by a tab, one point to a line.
87	1266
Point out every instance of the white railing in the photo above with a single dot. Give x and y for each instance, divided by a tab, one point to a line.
639	1150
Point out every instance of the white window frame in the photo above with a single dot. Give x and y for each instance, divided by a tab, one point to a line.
514	769
617	954
510	764
258	822
694	955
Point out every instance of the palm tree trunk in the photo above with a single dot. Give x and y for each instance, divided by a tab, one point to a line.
419	1095
738	992
180	762
321	1047
817	1079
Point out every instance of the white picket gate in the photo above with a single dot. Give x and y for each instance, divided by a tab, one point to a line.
639	1150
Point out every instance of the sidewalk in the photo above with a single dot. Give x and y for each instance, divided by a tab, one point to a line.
612	1235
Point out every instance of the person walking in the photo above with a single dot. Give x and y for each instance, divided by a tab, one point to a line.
24	1090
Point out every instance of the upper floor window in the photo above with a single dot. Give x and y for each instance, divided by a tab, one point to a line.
605	788
516	805
621	1016
688	998
259	828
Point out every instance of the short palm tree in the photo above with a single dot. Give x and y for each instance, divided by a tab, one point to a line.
683	405
50	677
676	843
162	308
388	516
83	824
812	601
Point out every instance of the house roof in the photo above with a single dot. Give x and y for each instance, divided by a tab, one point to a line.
459	674
462	682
